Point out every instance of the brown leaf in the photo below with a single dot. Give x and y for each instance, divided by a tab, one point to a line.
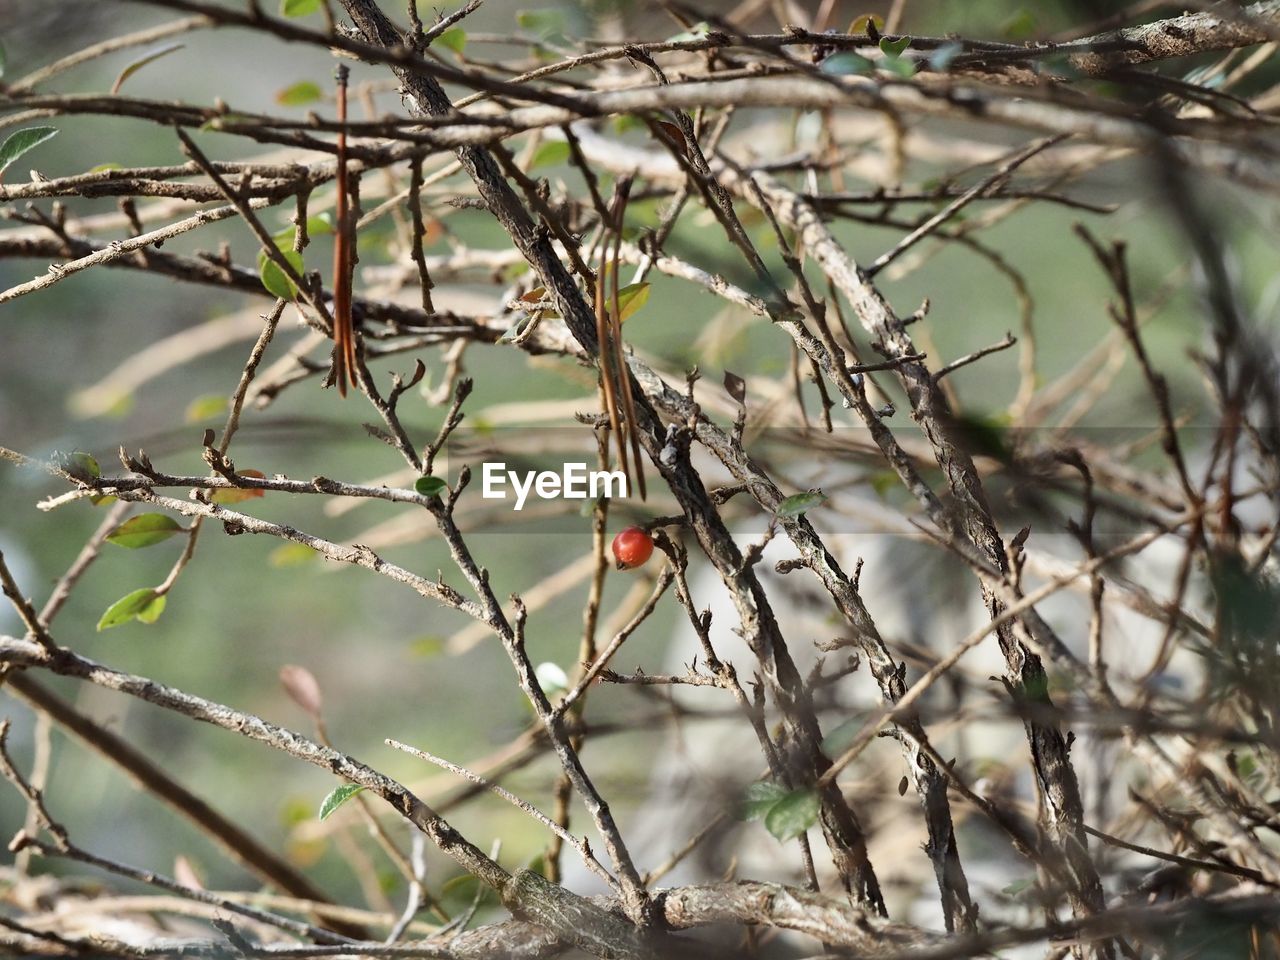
185	873
240	494
736	386
303	688
676	134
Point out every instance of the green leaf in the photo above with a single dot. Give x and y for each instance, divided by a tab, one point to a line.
103	167
149	56
81	465
304	91
1020	889
20	141
120	406
205	406
630	299
298	8
883	482
428	646
221	121
460	892
902	67
429	486
846	63
549	154
291	555
130	606
793	814
798	503
840	739
941	58
144	530
697	32
551	677
542	23
455	38
1020	26
274	279
627	121
1247	765
758	799
337	798
151	612
894	48
516	328
320	224
986	435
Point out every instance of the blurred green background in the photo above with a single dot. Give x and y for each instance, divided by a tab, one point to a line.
238	614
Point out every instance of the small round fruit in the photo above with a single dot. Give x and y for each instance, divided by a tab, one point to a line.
631	548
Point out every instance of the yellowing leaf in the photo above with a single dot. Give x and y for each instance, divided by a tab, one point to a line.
206	406
304	91
239	494
428	646
291	555
860	24
630	299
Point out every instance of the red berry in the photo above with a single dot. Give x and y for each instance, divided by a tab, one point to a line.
631	548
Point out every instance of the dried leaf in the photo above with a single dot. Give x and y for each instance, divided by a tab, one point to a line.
239	494
150	56
676	134
736	386
303	688
185	873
